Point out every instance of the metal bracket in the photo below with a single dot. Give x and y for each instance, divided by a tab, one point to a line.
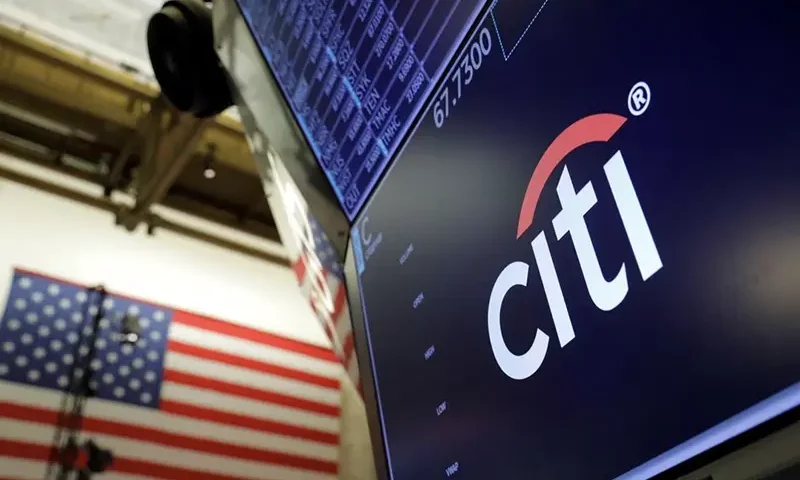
170	139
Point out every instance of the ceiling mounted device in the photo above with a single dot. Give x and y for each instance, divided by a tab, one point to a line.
181	47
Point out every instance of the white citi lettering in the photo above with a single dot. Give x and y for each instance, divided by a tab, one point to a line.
552	289
574	207
518	367
644	247
606	294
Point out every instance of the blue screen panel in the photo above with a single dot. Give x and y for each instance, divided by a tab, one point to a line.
356	73
585	262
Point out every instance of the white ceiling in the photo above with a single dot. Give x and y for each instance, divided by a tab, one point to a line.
111	30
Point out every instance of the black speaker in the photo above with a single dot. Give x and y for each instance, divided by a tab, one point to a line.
180	42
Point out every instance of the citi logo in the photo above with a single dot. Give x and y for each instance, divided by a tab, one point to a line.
570	221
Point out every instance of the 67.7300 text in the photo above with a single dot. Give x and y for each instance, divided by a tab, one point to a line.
469	64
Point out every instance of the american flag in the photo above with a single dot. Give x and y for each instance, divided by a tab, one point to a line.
321	277
194	398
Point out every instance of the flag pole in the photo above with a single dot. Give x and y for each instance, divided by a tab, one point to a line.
65	449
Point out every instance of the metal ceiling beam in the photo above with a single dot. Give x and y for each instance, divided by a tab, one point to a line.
166	151
42	70
24	101
84	109
148	127
168	139
58	142
43	148
105	204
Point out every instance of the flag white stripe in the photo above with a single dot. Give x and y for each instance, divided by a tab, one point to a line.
250	408
352	369
118	412
252	350
244	376
163	455
343	324
20	469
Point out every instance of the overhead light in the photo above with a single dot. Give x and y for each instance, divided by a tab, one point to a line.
208	170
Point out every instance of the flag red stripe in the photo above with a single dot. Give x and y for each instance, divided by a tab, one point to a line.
208	354
338	303
151	435
249	392
31	451
26	451
299	268
253	335
244	421
158	470
349	347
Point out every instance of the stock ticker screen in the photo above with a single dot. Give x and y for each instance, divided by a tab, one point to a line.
356	73
585	262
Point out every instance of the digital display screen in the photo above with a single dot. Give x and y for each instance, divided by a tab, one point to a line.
585	262
356	73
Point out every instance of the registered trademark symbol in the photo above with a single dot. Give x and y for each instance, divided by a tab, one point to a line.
639	99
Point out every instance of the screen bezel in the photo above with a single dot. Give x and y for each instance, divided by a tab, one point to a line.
286	103
365	367
296	154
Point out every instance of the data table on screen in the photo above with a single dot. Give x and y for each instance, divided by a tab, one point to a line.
356	73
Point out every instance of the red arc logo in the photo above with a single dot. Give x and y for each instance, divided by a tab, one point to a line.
594	128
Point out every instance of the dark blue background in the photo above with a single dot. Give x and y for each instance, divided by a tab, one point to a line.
715	161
